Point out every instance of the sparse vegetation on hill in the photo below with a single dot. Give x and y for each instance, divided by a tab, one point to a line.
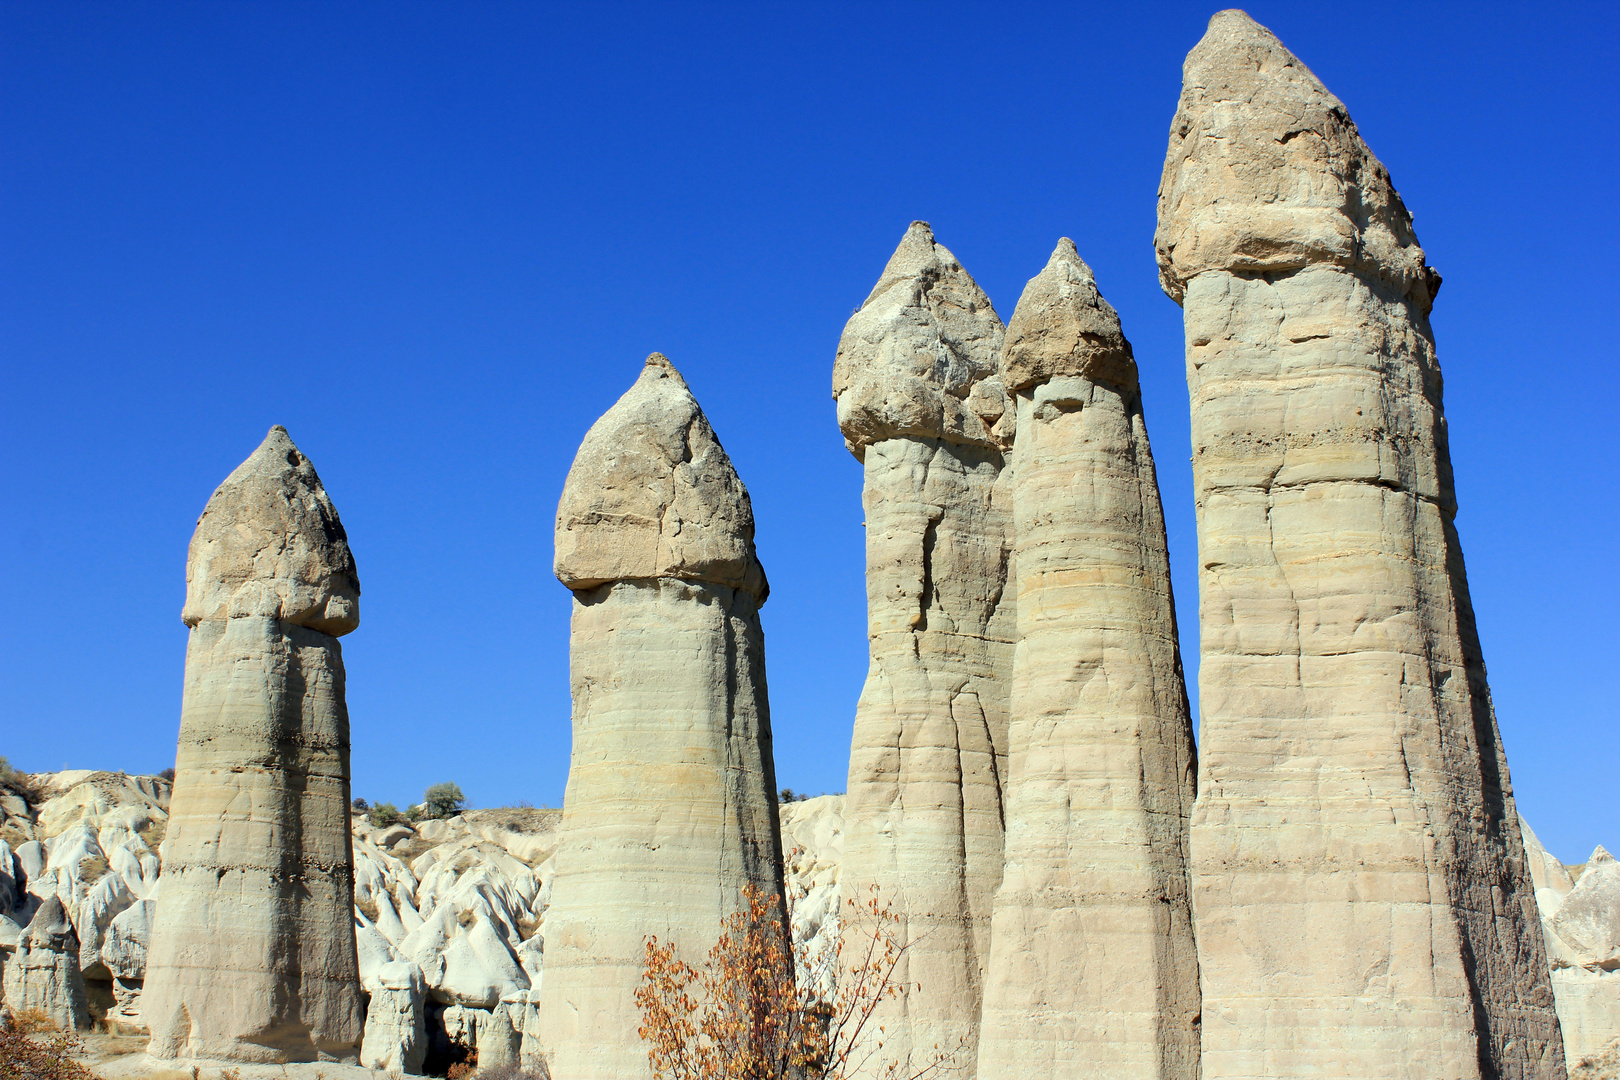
443	801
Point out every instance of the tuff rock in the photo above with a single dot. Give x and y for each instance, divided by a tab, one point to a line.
1092	969
44	972
670	809
920	404
1359	880
252	955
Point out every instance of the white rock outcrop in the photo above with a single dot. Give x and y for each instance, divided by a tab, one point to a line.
920	404
1359	881
1092	969
44	972
396	1035
813	857
670	806
1581	921
252	956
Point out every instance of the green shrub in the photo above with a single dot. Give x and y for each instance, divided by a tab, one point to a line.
442	801
385	814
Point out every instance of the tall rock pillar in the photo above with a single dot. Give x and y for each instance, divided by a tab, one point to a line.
1362	901
252	955
921	406
670	808
1092	969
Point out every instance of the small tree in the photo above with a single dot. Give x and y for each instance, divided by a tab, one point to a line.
442	801
385	814
742	1015
360	805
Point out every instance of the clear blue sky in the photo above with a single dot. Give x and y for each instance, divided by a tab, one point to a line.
436	241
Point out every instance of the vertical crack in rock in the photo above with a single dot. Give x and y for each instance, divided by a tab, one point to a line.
921	406
670	807
252	954
1092	969
1358	869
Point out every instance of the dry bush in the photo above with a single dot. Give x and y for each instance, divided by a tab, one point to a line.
742	1015
515	1072
26	1057
32	1021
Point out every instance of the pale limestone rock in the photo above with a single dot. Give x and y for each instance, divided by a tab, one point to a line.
653	495
813	857
919	357
252	956
920	404
1603	1064
396	1036
44	972
1582	928
1361	897
1589	917
1092	969
670	806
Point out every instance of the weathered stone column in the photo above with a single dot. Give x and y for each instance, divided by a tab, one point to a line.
920	404
1092	968
44	974
252	955
671	807
1362	902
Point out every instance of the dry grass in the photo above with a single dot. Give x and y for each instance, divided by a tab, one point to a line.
33	1055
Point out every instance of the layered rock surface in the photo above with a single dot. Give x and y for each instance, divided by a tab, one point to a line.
252	955
1092	969
670	808
1581	921
921	405
1359	880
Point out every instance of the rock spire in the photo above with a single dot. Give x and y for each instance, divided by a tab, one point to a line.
921	406
1358	874
670	807
1092	969
252	956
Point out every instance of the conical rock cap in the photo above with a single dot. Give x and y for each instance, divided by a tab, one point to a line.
1267	173
652	494
919	357
1063	326
269	543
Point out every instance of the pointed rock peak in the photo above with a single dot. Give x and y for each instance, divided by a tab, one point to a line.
270	544
1599	855
652	494
912	354
658	367
1267	173
1063	327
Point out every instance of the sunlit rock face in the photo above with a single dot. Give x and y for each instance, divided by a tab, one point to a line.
921	405
1092	970
252	955
670	808
1359	883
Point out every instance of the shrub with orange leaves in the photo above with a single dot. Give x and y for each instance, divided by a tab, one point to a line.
742	1015
27	1053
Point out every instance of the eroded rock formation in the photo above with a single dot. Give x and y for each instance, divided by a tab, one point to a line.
1362	902
921	406
670	807
44	972
1092	969
252	956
